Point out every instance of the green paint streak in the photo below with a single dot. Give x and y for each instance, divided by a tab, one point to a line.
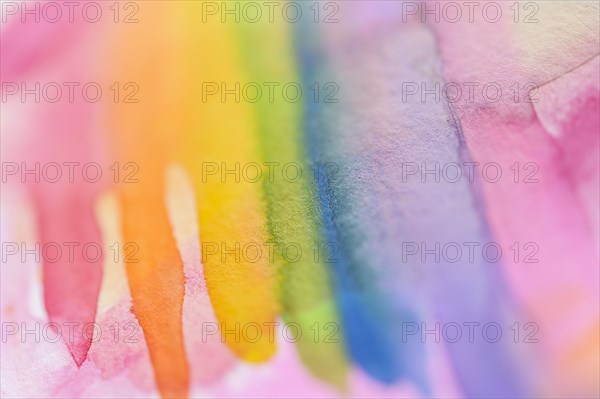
293	216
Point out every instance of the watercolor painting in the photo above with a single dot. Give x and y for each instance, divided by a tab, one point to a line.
300	199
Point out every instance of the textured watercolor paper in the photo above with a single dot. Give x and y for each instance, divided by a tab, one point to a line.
384	199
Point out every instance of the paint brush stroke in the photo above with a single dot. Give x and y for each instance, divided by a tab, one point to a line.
143	147
65	207
231	213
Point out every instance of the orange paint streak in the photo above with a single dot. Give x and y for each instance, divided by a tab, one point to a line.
153	264
156	281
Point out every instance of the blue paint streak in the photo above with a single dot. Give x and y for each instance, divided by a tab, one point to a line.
368	340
